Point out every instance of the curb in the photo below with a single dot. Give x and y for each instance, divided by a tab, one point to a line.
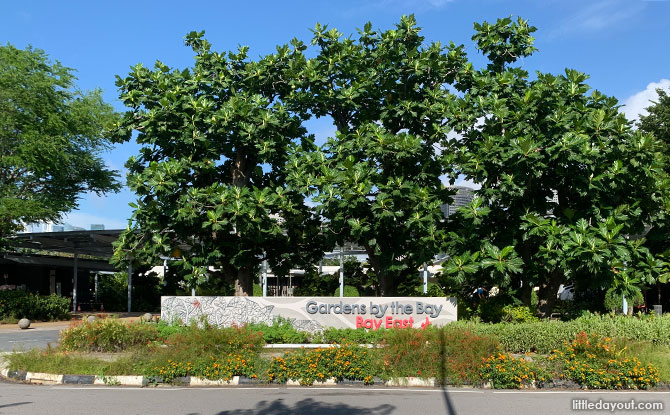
44	378
311	346
413	381
196	381
327	382
141	381
120	380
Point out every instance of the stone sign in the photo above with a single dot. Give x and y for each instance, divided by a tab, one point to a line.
313	313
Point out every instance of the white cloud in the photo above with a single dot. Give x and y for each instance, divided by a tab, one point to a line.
635	105
597	16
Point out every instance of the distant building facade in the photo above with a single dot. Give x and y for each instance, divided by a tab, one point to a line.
463	196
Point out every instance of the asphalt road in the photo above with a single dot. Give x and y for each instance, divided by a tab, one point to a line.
17	339
73	400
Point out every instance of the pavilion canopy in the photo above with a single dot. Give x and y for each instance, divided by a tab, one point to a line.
95	243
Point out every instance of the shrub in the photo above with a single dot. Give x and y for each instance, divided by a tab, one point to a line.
517	314
491	309
20	304
545	336
449	354
614	300
215	368
506	372
281	331
594	362
165	330
541	337
351	336
434	290
349	291
211	340
106	335
257	290
308	366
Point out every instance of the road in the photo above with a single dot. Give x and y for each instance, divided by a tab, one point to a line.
17	339
74	400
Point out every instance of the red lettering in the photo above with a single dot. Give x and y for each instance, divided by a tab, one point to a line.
411	321
389	322
426	323
359	322
378	324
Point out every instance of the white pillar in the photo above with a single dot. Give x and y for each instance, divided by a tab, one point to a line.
625	306
341	271
165	270
74	282
96	287
265	278
425	278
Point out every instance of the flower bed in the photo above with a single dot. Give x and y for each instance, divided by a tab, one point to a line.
503	371
319	365
595	363
450	355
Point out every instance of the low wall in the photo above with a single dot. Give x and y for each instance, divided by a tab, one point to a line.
313	313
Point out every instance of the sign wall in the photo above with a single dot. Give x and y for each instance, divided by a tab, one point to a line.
313	313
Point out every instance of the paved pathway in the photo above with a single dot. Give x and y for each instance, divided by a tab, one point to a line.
40	334
17	339
74	400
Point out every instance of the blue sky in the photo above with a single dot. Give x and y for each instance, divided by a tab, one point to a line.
621	44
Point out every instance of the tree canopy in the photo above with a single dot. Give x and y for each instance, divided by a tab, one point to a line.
377	181
657	120
229	174
566	183
51	137
210	176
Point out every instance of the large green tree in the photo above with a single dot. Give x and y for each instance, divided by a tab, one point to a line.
377	180
566	183
210	176
51	137
657	122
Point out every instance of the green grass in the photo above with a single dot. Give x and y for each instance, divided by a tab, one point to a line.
52	361
656	354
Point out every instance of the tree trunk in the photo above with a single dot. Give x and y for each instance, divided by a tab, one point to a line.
244	283
547	295
387	284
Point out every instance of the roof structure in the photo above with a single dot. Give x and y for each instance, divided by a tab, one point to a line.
55	261
95	243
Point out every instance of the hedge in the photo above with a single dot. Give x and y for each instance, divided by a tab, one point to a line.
545	336
20	304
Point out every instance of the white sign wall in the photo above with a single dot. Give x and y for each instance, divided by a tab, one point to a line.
313	313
